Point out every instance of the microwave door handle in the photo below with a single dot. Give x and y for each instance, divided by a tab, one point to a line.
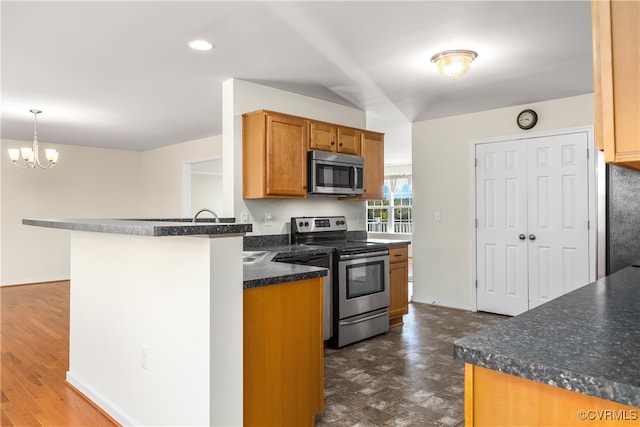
355	177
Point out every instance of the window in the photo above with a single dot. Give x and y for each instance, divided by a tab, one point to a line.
393	214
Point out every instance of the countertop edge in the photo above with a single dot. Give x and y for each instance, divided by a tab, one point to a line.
141	227
625	394
284	278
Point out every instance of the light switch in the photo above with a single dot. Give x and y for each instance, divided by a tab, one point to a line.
267	219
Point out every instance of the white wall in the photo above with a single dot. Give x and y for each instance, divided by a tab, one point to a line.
162	175
206	192
86	182
242	97
441	182
397	137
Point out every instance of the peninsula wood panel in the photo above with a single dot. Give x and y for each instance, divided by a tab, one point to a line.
497	399
283	354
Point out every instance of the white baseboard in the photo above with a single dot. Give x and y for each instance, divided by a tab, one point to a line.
33	280
442	303
113	411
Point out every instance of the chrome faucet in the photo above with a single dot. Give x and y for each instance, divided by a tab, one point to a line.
206	210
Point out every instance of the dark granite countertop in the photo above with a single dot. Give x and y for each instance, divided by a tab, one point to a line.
269	272
390	243
586	341
144	227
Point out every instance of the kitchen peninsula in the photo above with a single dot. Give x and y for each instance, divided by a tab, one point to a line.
572	361
156	318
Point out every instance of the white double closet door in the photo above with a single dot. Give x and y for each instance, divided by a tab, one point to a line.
532	237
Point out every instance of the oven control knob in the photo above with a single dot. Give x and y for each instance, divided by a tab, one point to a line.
306	223
300	224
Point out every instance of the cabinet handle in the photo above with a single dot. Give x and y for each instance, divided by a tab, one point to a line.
340	144
397	255
333	143
522	237
532	237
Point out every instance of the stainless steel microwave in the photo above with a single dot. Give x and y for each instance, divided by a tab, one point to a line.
335	174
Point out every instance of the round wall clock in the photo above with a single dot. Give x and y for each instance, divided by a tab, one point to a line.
527	119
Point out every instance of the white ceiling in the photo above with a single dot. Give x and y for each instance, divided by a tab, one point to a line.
120	75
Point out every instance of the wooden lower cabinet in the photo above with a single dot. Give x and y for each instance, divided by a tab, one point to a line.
283	354
492	398
399	284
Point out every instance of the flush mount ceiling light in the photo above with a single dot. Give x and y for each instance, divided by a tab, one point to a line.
453	63
200	45
30	155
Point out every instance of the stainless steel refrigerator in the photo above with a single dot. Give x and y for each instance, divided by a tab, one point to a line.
623	218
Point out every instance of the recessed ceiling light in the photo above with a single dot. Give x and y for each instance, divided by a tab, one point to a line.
200	45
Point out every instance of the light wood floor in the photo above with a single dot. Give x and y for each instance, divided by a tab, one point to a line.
35	358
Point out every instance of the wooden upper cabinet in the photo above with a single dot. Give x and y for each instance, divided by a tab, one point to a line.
616	72
372	148
274	155
322	136
349	140
330	137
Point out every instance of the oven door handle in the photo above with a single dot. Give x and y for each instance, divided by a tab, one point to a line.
364	255
364	319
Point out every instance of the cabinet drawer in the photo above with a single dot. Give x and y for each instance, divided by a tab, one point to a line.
399	254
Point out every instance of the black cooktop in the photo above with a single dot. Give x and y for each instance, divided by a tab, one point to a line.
349	246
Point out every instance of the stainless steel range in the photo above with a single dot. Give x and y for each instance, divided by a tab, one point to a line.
360	272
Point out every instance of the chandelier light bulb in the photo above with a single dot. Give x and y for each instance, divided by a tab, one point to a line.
30	155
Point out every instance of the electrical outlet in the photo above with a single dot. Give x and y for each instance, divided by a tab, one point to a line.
436	215
144	356
244	217
267	219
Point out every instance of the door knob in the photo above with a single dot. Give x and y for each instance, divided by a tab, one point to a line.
522	237
532	237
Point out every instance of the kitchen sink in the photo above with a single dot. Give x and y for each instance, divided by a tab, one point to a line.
253	257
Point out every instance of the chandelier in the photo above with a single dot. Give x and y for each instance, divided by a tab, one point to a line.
454	63
30	155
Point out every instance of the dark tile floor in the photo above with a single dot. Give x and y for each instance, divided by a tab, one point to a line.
406	377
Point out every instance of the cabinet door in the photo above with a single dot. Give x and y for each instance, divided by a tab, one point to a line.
286	156
348	140
322	136
283	354
373	153
616	84
399	285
